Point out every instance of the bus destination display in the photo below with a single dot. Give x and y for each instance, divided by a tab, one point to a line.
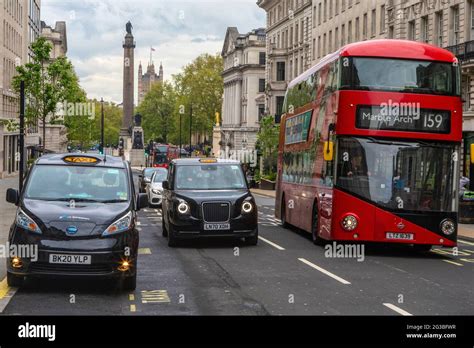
409	119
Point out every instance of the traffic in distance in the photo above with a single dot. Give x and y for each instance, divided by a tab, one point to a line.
369	146
368	152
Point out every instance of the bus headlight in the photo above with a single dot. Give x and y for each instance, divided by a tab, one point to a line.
183	207
247	207
448	227
349	222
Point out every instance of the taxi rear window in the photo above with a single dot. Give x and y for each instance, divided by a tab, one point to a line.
86	183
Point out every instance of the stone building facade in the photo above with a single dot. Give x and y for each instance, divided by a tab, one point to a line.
244	90
21	26
56	134
289	50
323	26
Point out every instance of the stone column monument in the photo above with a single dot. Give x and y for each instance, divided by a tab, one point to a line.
128	84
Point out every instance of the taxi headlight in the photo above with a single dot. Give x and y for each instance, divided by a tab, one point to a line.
349	222
121	225
24	221
247	207
183	207
448	227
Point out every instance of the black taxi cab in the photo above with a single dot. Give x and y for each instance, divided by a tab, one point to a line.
76	216
207	197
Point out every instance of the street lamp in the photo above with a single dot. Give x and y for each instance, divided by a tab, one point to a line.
102	126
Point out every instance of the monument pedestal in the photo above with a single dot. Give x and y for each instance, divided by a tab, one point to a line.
137	158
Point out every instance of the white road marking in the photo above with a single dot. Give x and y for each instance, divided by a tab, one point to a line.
465	242
271	243
322	270
397	309
454	263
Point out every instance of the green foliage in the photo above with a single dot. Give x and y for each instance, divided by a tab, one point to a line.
200	84
46	83
267	143
158	110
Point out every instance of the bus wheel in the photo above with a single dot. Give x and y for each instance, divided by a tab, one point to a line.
317	240
284	224
422	247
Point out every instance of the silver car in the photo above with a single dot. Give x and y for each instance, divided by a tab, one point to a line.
154	188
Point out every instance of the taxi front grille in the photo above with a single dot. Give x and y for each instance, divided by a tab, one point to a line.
216	211
40	267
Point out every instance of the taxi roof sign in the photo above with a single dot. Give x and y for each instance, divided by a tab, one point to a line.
207	160
81	159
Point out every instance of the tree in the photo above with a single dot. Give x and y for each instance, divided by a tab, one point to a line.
200	85
47	82
267	143
158	110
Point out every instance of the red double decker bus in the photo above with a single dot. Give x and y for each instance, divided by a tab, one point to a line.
369	146
163	154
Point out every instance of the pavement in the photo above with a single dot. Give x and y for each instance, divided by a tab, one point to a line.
8	212
267	193
284	274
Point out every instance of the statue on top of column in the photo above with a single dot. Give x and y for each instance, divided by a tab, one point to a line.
129	27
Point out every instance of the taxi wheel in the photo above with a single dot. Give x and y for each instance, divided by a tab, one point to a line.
129	283
164	231
14	280
253	240
172	239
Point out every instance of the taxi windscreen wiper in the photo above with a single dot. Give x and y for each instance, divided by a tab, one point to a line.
113	201
65	199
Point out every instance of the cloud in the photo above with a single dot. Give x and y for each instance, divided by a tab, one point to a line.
178	30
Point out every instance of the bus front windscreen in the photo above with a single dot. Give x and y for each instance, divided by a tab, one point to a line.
399	175
401	75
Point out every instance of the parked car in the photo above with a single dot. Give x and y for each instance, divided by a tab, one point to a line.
144	178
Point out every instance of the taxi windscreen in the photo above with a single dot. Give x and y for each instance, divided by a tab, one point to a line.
210	177
94	184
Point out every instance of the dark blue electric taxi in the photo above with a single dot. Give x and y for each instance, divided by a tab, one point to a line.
76	216
207	197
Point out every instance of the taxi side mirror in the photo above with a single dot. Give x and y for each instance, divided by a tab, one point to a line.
13	196
328	151
472	153
142	201
166	185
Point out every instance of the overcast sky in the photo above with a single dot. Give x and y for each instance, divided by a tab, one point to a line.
179	30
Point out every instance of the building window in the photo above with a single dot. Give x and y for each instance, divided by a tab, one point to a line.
336	7
364	27
261	85
319	14
343	35
314	49
314	16
439	28
349	32
325	10
262	58
280	71
411	30
373	24
330	9
357	29
261	111
330	41
424	29
455	25
336	38
319	46
382	19
391	32
279	108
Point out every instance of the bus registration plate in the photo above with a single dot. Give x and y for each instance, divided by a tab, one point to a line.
405	236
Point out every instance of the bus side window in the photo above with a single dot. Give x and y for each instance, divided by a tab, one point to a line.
345	75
